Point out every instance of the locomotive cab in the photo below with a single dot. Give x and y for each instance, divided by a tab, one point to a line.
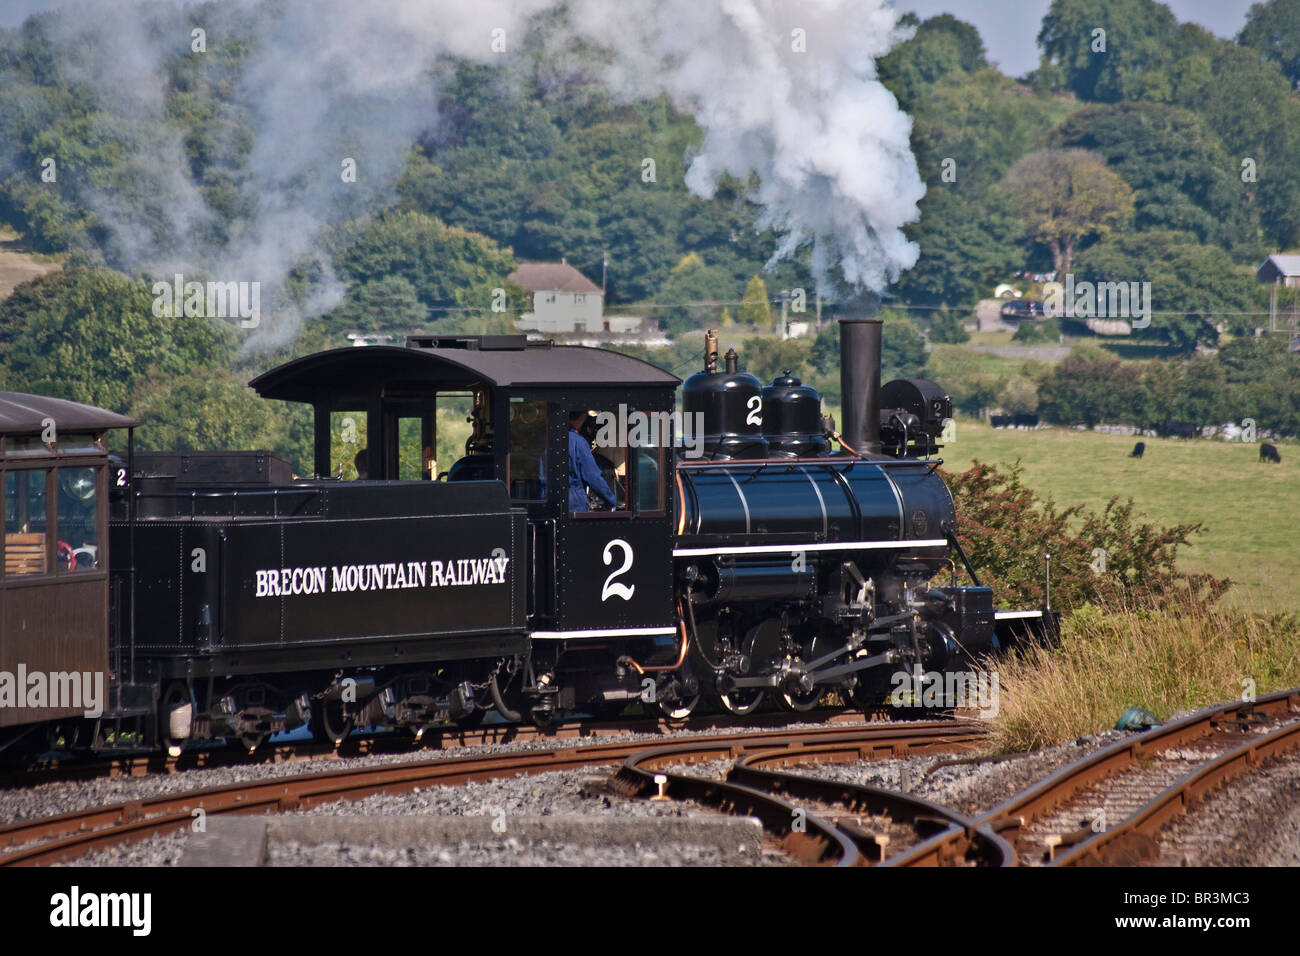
595	573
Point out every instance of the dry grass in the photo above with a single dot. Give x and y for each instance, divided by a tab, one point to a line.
1165	661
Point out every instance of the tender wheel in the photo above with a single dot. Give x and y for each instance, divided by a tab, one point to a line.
251	742
176	695
800	703
330	723
473	720
741	701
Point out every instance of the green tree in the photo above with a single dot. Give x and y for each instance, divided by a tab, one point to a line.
1191	283
385	304
756	308
946	328
1254	110
690	296
1130	59
1181	175
448	267
965	245
941	46
1273	28
215	410
1066	196
90	335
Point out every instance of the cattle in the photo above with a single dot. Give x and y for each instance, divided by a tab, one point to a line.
1025	420
1269	452
1002	421
1180	430
1138	449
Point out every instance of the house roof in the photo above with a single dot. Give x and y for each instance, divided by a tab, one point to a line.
345	374
1279	265
23	414
551	277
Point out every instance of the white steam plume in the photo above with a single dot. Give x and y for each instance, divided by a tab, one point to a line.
785	88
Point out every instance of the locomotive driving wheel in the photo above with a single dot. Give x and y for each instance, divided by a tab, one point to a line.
741	701
802	702
677	694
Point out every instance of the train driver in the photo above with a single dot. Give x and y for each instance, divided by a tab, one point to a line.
583	471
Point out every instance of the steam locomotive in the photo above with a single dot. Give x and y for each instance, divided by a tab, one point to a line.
745	560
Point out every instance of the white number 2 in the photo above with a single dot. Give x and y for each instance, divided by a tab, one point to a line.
614	588
755	406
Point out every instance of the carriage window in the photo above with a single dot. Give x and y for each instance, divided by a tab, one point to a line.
26	549
527	448
78	523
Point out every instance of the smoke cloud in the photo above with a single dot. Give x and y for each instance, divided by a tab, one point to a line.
784	88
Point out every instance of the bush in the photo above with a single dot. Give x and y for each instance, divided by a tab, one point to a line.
947	329
1006	528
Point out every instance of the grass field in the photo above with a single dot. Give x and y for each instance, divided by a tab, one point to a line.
1251	511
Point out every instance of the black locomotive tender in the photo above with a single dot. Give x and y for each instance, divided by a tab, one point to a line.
223	598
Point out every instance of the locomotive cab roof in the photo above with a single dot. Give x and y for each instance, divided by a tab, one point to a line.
385	380
508	361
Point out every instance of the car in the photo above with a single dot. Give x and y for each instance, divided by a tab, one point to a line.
1022	309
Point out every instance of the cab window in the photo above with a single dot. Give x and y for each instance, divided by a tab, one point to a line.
528	419
628	446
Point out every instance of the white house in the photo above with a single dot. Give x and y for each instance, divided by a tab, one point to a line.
1282	272
564	300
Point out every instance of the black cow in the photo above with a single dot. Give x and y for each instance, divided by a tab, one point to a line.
1138	449
1180	430
1269	452
1002	421
1025	420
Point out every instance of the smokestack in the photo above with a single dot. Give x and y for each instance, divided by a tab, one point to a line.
860	383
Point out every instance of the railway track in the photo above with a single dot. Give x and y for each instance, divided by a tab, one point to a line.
820	821
1108	808
68	836
137	764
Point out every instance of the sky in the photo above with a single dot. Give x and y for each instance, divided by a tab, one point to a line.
1009	28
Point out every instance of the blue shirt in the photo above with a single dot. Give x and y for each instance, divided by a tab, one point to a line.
583	473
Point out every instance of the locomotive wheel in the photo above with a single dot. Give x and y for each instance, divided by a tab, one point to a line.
330	724
251	742
742	701
678	710
800	703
